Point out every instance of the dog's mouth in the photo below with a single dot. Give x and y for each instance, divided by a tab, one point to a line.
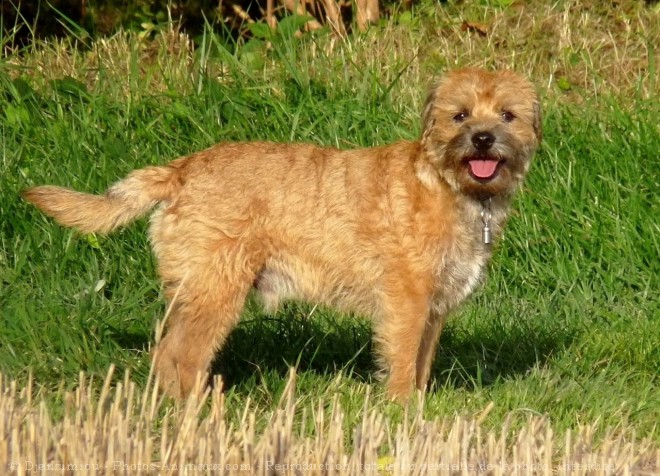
483	169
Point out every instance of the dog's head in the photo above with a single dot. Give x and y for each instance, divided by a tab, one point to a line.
480	130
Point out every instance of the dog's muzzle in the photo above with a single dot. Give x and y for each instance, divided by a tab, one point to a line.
483	165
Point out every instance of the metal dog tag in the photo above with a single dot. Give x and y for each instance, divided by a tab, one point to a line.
486	235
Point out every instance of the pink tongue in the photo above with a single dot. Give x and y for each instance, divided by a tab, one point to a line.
483	168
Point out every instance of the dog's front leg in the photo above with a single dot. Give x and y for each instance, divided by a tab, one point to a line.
427	348
400	331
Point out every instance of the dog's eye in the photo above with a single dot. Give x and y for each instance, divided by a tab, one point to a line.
507	116
460	117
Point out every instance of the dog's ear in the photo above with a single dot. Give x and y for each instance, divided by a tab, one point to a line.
538	120
427	114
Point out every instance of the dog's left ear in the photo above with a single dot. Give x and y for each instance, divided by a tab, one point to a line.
427	116
538	121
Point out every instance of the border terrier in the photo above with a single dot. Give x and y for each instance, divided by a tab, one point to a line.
400	233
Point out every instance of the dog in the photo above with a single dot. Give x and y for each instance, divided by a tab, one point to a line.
400	233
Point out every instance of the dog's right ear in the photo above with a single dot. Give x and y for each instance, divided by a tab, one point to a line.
538	121
427	112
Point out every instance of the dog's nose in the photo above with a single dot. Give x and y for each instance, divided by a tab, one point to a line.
483	140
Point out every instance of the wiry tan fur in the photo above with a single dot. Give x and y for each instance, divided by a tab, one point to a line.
392	232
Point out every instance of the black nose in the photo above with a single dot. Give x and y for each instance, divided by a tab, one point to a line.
483	141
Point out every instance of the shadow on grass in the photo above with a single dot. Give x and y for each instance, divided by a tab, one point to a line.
326	342
312	340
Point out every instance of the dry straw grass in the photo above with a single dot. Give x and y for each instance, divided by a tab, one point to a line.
127	430
589	50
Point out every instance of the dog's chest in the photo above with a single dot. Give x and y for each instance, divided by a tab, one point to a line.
459	270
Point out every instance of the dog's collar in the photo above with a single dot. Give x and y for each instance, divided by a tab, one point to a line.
486	216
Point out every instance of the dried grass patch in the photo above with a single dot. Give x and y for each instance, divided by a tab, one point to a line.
571	50
126	430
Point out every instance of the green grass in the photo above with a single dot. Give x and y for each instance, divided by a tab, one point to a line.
567	324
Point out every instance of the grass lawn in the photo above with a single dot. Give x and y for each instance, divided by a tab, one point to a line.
568	322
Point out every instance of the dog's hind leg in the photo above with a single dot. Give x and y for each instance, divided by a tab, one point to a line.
201	317
207	281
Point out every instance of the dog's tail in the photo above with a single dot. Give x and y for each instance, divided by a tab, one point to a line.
125	201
